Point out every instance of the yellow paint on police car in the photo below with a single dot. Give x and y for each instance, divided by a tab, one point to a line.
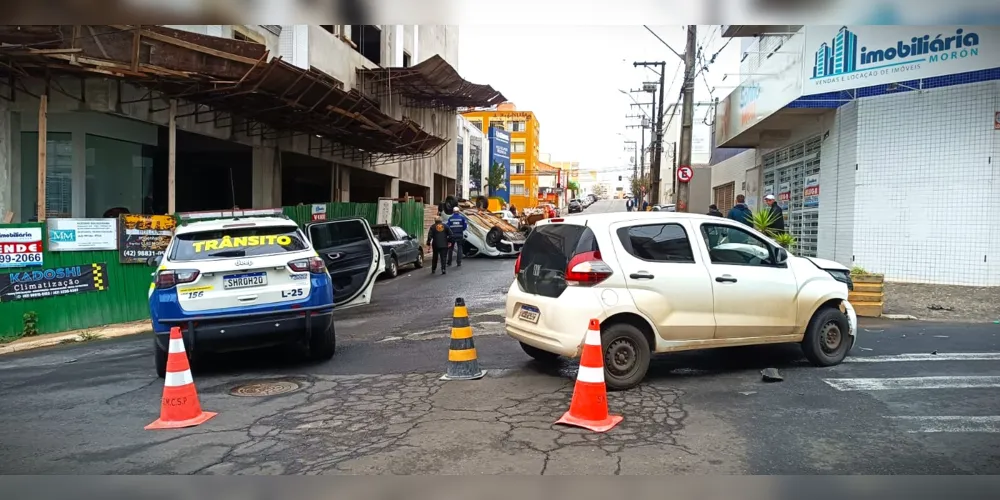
203	288
241	242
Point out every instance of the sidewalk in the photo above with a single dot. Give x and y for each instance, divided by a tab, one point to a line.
967	304
98	332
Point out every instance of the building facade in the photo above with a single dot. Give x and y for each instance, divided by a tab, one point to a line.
472	156
524	148
107	133
879	144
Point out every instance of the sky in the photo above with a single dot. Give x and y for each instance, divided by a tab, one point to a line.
570	77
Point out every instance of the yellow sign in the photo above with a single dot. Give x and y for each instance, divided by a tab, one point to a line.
242	241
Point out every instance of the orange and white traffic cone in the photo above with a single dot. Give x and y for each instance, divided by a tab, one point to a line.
589	407
179	407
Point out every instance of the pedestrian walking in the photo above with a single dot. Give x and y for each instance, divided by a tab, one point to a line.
645	206
778	224
457	224
740	212
714	210
628	204
437	238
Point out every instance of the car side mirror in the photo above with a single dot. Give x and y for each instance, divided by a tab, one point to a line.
781	256
154	261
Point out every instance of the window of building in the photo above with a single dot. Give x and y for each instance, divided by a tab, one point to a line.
499	124
407	60
517	167
477	124
518	126
517	190
333	29
657	242
367	40
58	175
517	147
724	196
119	174
247	35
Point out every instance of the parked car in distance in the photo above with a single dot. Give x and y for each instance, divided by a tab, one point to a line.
575	206
664	282
509	218
247	282
399	249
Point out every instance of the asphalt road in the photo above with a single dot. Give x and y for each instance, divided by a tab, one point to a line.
914	398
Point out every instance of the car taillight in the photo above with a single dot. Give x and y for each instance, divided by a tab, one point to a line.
313	265
170	278
587	269
517	265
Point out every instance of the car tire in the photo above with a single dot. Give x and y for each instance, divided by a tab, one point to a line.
493	237
626	356
540	355
323	345
393	267
160	358
826	342
417	264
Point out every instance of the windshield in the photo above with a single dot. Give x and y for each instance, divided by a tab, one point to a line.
237	242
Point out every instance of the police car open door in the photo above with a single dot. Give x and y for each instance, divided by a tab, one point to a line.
352	255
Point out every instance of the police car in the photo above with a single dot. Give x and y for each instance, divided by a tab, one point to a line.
241	282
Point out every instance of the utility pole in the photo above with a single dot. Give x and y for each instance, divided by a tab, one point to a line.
654	191
683	192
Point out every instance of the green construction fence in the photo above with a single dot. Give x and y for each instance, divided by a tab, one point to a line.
126	296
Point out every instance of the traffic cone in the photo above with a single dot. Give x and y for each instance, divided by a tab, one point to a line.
179	406
462	361
589	407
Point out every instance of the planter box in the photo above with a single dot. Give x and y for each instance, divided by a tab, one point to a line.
868	297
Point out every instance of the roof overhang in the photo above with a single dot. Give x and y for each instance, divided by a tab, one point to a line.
748	30
432	83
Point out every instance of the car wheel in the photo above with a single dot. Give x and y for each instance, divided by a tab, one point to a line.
826	342
160	357
493	237
420	259
542	356
626	356
393	267
322	345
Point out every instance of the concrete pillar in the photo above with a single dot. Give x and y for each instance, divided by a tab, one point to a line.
392	188
345	184
266	177
6	162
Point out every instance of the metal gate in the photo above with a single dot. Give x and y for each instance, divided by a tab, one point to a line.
787	172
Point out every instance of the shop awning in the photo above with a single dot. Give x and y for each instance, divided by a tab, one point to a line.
219	74
433	83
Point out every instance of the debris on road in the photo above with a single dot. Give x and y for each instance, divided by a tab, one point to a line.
748	393
771	375
938	307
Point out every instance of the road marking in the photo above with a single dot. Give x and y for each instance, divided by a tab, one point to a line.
941	424
948	356
885	384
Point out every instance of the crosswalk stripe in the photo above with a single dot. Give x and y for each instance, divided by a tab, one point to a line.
883	384
942	424
950	356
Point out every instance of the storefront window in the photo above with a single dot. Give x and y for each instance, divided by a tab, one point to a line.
58	175
119	175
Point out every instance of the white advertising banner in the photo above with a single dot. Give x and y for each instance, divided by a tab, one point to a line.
82	235
384	214
777	82
850	57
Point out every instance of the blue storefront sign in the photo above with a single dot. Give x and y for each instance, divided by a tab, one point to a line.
500	158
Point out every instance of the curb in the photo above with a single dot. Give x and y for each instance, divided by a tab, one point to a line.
106	332
901	317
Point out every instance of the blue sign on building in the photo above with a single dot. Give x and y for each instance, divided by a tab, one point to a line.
500	158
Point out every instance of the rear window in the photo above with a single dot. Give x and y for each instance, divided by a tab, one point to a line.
335	234
237	242
547	253
384	233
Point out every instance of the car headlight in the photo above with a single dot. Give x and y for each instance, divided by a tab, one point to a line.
843	277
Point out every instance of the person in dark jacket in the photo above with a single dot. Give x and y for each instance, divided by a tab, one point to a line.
714	210
457	224
740	212
437	238
778	226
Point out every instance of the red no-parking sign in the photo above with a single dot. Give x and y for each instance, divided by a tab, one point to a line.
684	173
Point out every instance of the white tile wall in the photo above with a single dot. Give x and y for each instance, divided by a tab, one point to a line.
926	187
734	170
838	156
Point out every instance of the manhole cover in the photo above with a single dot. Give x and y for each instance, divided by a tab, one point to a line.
265	388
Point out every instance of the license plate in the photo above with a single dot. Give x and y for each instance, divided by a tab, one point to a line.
244	280
530	314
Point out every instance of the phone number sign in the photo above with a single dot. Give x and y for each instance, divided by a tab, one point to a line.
21	247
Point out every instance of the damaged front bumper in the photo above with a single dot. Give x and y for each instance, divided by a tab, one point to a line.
852	318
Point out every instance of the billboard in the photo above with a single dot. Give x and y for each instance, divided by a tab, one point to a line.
500	159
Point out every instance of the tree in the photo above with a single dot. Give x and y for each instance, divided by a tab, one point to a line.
640	185
599	190
574	188
495	181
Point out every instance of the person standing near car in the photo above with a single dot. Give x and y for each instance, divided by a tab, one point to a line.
437	238
740	212
778	224
457	224
714	210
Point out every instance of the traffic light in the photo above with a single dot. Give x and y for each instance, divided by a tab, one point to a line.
619	178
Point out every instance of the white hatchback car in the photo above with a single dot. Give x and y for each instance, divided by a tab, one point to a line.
668	281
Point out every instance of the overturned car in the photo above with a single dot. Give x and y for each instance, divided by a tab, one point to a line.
489	235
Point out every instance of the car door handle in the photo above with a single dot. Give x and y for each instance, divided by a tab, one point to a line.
334	256
641	275
725	278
